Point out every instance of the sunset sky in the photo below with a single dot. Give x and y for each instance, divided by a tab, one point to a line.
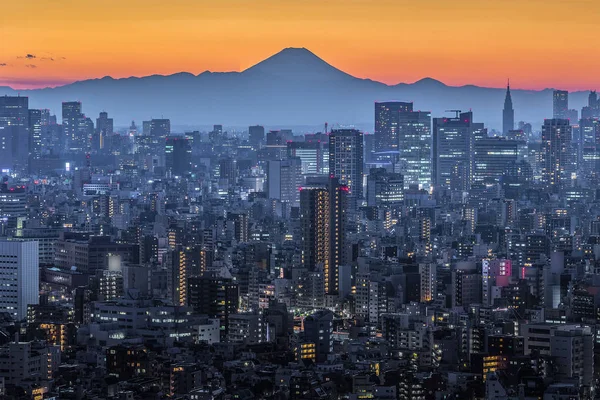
537	43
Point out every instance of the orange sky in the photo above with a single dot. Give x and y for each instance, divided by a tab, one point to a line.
537	43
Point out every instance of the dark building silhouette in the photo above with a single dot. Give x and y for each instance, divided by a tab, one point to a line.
508	114
160	127
178	155
256	135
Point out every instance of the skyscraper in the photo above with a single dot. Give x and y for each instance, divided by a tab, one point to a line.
71	115
492	157
346	159
453	144
386	123
284	179
322	215
560	103
19	281
14	123
556	153
178	155
35	133
256	135
508	114
104	127
414	146
160	127
313	155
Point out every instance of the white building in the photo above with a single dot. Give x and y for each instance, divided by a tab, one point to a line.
209	330
19	276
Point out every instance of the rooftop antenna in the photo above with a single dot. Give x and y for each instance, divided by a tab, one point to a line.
325	127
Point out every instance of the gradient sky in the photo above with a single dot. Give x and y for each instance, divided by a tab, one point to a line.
537	43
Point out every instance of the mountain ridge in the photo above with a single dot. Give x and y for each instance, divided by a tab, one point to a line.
291	87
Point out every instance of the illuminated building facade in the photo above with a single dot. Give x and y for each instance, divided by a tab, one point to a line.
346	159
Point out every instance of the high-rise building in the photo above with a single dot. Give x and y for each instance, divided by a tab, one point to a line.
14	131
13	204
557	160
19	281
384	188
71	123
492	157
346	159
453	143
160	127
414	147
284	180
178	155
560	104
35	133
256	135
313	155
508	114
322	215
386	123
104	128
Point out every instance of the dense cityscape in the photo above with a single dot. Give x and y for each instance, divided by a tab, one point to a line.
430	259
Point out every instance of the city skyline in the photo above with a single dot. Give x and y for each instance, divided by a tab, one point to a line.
357	38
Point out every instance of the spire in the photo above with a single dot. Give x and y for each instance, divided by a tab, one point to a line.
508	98
508	114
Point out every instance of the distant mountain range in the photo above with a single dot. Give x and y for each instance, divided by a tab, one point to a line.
291	88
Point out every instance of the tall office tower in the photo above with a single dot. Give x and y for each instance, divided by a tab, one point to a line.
178	155
14	126
313	155
46	118
104	128
19	281
508	114
160	127
453	143
346	159
414	146
146	128
86	133
284	180
560	104
256	135
492	157
228	169
322	215
71	119
556	153
35	133
386	123
384	188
